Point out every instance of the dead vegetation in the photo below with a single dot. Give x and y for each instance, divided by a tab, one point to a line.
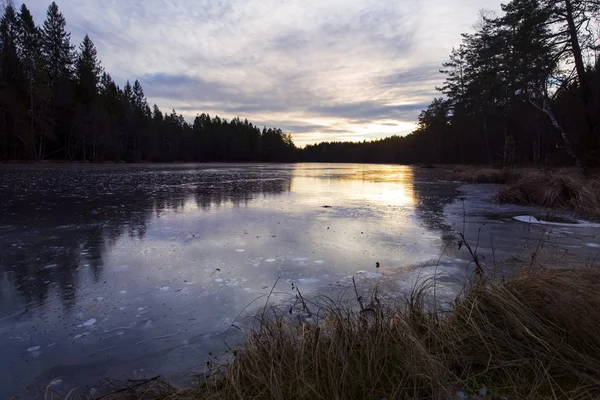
533	336
560	191
486	175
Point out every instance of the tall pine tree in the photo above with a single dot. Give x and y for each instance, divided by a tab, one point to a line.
88	71
11	84
38	91
87	75
56	45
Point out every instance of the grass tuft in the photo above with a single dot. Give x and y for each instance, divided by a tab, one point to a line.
569	192
486	175
533	336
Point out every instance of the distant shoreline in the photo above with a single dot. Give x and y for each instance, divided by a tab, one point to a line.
61	162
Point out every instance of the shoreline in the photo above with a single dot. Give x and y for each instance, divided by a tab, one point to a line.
498	341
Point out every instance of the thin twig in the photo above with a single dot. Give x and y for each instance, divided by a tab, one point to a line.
358	298
303	302
129	387
267	303
158	337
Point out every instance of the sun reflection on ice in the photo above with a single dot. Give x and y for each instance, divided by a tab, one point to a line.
382	184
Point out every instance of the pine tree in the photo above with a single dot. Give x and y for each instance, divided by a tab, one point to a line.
11	85
140	120
530	55
56	45
87	78
38	99
9	31
157	116
88	71
139	99
455	85
484	100
29	43
128	94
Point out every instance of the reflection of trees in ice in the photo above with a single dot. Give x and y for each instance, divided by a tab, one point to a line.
67	216
70	216
432	193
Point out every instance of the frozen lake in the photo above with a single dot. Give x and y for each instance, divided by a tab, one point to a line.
133	271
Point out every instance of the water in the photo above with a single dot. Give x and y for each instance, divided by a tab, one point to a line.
133	271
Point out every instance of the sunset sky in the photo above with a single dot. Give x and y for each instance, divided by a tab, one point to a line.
321	70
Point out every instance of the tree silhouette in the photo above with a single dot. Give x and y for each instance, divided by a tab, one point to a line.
510	96
56	45
522	88
58	103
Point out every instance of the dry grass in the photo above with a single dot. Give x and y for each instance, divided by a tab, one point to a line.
564	189
532	336
561	191
486	175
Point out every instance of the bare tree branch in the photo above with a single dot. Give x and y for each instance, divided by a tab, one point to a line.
567	143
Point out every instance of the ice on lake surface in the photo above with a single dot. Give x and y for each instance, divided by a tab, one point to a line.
130	271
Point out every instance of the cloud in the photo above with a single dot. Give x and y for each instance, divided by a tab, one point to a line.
339	69
366	110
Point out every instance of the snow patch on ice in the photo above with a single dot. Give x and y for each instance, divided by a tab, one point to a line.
309	280
241	250
219	280
51	266
89	322
593	245
77	337
270	260
529	219
165	288
33	348
56	382
123	291
319	262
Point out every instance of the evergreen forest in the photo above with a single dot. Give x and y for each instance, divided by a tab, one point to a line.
523	88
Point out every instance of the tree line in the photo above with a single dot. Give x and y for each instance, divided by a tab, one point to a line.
523	88
57	102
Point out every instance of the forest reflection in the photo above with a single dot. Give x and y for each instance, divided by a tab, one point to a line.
57	223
